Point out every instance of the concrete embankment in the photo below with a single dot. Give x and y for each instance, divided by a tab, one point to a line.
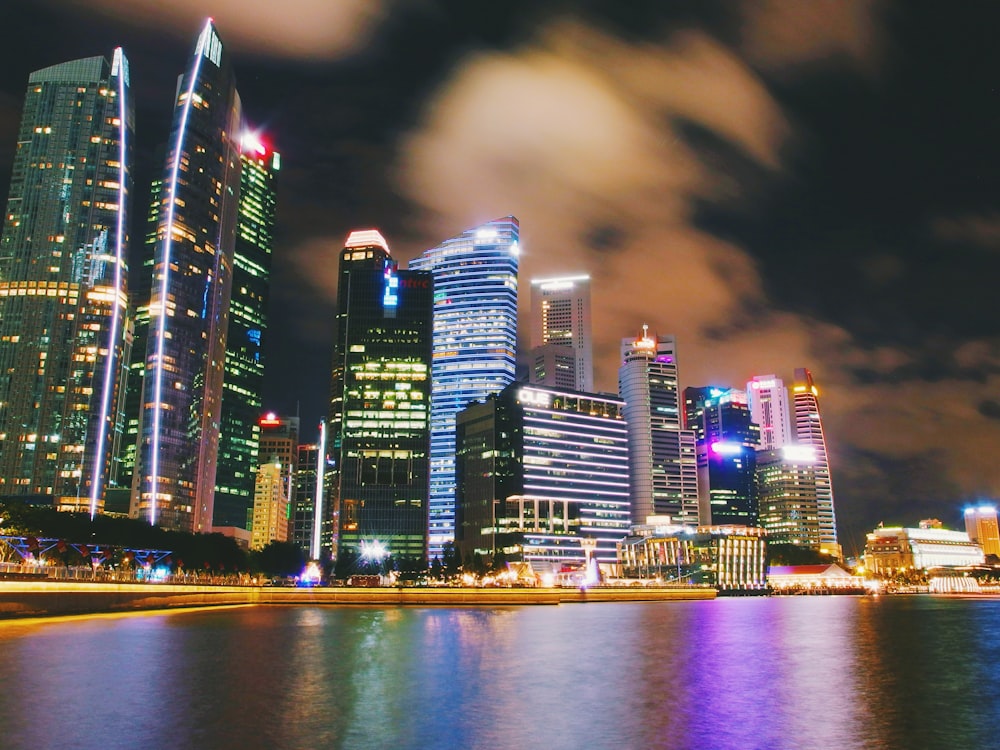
49	598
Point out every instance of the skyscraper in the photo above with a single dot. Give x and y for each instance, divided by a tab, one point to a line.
982	527
244	377
768	399
560	324
192	271
475	340
380	395
63	271
270	506
664	475
542	470
809	432
726	441
786	480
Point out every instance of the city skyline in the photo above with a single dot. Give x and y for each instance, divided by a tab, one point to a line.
815	185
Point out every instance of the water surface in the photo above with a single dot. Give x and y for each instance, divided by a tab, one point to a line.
774	673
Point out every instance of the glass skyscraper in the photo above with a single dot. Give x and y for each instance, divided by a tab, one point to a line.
188	308
726	440
664	476
63	296
379	401
541	470
242	399
475	340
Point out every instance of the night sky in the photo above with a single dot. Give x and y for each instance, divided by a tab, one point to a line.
778	183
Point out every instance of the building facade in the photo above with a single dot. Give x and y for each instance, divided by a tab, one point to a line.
662	455
894	550
982	528
543	472
270	506
380	400
730	558
475	343
561	337
174	482
786	481
768	401
63	284
726	440
809	432
243	383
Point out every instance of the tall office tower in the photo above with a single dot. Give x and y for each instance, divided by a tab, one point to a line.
243	383
303	509
982	528
475	339
270	506
786	480
768	399
560	325
63	297
174	479
380	396
541	471
809	432
140	293
664	477
726	440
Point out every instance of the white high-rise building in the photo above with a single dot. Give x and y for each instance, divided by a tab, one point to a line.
768	399
664	478
560	325
809	432
474	344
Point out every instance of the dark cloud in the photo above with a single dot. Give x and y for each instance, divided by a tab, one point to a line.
778	183
990	409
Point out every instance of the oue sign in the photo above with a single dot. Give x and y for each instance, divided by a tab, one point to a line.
533	398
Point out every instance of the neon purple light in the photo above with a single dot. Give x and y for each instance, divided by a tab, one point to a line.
161	328
665	358
110	371
727	449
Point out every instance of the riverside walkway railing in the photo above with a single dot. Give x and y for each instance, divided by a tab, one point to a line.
100	574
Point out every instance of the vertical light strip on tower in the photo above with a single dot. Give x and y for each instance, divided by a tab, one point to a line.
119	66
161	327
318	502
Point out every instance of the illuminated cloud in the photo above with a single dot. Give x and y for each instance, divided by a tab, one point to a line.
304	29
586	139
787	38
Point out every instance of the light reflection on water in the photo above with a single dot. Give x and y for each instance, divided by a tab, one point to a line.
798	672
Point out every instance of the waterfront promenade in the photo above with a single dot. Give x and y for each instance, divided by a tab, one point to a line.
49	598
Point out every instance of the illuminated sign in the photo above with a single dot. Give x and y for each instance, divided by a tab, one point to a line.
389	297
412	283
533	398
269	420
727	448
802	454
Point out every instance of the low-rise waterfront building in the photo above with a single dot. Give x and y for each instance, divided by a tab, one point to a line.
893	550
730	558
831	577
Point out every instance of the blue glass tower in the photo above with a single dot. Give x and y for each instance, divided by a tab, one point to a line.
475	338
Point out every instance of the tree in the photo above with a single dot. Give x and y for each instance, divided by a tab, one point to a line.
452	561
280	559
